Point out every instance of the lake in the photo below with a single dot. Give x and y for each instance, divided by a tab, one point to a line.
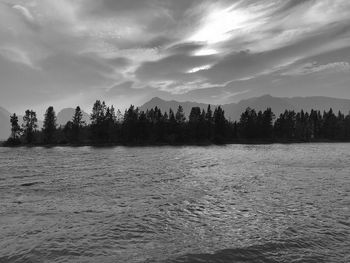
235	203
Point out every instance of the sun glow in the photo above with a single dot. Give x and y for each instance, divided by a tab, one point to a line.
199	68
206	52
220	25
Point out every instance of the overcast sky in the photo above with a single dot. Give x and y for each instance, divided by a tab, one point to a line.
71	52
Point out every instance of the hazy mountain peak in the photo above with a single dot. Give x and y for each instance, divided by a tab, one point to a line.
66	115
4	111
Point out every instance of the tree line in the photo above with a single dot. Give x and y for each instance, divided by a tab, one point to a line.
136	127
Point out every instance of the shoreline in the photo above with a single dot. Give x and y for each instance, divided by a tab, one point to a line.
199	144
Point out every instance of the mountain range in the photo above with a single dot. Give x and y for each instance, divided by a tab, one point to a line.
232	110
277	104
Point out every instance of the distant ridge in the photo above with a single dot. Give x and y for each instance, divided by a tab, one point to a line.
277	104
4	124
172	104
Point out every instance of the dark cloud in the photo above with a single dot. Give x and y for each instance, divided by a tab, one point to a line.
293	4
119	62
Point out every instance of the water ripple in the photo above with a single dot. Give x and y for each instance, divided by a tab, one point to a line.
255	203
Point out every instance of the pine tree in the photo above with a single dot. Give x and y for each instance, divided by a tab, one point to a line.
29	125
76	124
49	125
180	116
78	118
98	117
15	128
219	124
267	123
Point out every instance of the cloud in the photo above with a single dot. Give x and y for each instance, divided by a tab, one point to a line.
314	67
291	4
173	48
25	12
121	89
173	67
186	48
17	55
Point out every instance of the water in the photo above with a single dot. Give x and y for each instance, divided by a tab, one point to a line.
265	203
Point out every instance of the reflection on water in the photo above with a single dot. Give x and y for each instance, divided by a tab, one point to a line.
266	203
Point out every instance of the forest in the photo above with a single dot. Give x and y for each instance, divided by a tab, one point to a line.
202	127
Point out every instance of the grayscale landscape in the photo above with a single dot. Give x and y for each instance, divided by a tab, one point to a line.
175	131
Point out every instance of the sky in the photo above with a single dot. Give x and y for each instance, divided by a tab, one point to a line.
71	52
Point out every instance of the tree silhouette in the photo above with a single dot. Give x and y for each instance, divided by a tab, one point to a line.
248	124
72	130
78	118
220	126
155	127
29	125
97	117
180	115
49	125
267	124
15	128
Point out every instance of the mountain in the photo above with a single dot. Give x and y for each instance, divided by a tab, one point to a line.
277	104
67	114
4	124
166	105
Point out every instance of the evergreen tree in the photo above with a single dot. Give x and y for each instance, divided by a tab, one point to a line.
97	117
49	125
98	112
76	124
195	115
180	115
219	124
209	123
15	128
109	124
119	117
194	124
267	124
209	115
329	127
248	124
129	126
285	125
29	125
78	118
172	119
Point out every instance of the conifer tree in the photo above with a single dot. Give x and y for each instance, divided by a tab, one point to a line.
29	125
15	128
180	115
49	125
76	124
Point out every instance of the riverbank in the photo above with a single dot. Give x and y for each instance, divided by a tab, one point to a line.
160	144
